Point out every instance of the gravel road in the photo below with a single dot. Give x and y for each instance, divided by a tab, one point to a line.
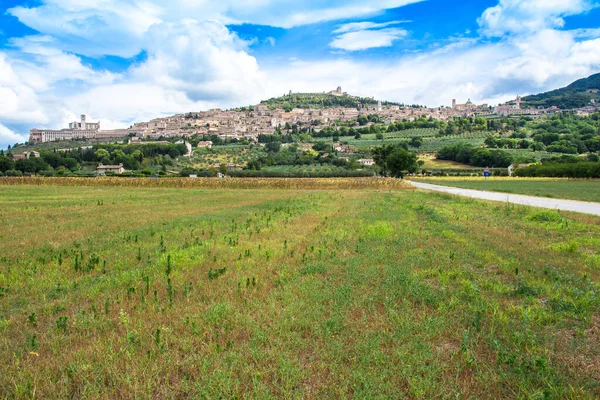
555	204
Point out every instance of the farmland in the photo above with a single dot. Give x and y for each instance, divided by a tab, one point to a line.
584	190
431	139
184	292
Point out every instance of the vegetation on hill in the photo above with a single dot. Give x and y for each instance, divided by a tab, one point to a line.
576	95
319	101
564	133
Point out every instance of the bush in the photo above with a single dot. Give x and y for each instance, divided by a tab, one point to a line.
13	172
62	171
186	172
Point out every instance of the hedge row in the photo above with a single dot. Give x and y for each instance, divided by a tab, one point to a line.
566	170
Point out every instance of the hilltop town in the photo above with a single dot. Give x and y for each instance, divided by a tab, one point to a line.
267	117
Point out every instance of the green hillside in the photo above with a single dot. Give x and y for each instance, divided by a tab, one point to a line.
576	95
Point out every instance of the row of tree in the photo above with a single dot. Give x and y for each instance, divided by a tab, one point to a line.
572	167
479	157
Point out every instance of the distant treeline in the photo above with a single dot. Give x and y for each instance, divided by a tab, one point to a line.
479	157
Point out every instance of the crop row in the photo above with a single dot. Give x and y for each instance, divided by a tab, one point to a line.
215	183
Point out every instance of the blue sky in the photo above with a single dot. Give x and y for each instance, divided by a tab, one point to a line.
122	61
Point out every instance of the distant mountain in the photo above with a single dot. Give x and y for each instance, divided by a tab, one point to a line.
576	95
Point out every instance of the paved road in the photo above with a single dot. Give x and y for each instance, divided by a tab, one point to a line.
555	204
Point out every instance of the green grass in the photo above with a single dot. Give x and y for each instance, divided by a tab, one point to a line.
584	190
112	292
433	163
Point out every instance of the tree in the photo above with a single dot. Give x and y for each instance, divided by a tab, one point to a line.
174	153
321	146
101	154
380	156
6	164
273	147
137	155
416	142
401	160
593	157
379	136
538	146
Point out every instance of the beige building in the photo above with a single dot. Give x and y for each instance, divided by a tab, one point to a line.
367	162
205	144
103	169
77	130
22	156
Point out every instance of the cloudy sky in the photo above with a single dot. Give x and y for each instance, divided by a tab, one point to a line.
121	61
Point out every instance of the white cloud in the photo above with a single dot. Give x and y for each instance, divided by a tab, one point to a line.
190	65
117	27
92	28
360	26
204	60
8	137
524	16
293	13
489	72
367	39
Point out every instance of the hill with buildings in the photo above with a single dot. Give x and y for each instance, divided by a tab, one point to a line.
578	94
335	98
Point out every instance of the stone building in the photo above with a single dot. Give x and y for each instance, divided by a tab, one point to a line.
77	130
103	169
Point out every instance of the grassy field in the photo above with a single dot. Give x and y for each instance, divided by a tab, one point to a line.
433	163
584	190
119	292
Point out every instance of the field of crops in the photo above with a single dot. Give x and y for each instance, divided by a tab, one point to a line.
584	190
437	143
151	292
216	183
429	135
312	170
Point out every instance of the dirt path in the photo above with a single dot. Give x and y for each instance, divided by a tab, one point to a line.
555	204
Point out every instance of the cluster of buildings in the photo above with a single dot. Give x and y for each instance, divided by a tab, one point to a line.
248	124
77	130
513	108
